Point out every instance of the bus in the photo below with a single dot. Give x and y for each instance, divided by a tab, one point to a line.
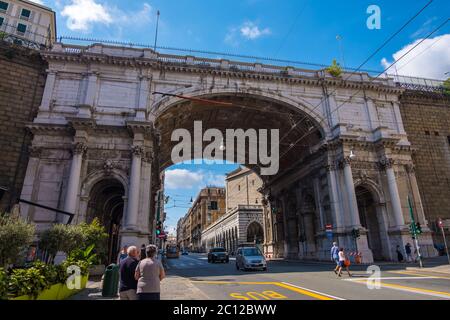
172	251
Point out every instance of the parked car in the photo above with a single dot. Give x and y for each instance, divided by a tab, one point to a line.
250	258
218	254
184	253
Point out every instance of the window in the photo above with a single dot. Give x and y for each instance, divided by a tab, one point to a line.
3	6
448	139
1	21
22	28
25	14
427	133
213	205
436	133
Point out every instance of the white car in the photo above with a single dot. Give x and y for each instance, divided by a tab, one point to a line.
250	258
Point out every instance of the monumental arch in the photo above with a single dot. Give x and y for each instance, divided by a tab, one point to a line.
105	123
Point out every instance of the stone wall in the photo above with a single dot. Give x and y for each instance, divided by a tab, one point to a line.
22	80
426	117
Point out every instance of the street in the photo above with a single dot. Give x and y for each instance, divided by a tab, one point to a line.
307	281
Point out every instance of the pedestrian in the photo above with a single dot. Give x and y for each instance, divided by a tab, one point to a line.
122	254
343	263
143	255
335	256
399	254
128	284
408	251
149	274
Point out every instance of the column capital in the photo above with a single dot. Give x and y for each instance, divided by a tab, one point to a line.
346	161
35	152
386	163
137	151
79	148
410	168
330	167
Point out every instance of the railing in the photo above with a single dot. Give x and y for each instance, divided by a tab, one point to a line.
412	83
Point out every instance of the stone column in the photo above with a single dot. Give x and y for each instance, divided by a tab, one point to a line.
350	188
133	196
393	192
73	185
48	91
334	196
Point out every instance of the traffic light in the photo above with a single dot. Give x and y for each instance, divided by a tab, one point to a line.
355	233
158	228
418	228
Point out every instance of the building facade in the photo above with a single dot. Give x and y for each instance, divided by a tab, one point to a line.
105	123
243	222
27	23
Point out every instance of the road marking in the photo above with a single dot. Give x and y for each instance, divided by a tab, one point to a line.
428	292
388	278
285	285
419	274
252	295
313	291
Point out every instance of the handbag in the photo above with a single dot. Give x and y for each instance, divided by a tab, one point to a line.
347	262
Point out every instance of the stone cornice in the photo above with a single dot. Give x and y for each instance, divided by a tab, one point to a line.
282	76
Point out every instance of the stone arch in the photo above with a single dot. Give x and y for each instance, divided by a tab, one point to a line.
91	179
255	232
163	104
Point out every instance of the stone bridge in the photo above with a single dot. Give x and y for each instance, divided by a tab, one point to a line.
102	139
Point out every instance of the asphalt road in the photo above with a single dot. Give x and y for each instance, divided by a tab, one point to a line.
308	281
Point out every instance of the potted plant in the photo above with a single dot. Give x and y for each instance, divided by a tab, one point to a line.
26	284
335	69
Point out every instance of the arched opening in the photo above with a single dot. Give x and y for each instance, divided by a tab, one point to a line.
255	233
371	220
106	203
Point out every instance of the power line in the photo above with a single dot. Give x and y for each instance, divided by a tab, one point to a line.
370	56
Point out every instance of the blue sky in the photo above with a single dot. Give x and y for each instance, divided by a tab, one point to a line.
301	30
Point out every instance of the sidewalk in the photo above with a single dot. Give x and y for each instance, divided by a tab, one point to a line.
439	269
172	288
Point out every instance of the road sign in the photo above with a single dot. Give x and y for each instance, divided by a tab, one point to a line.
329	231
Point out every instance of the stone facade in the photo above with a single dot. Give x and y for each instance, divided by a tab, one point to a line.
22	80
108	113
242	187
207	208
426	117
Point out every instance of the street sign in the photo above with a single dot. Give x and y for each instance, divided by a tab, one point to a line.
329	231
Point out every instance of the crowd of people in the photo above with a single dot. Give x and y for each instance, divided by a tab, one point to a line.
141	273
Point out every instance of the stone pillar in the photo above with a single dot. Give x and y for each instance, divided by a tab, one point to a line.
393	192
133	196
48	91
334	196
73	185
143	97
350	188
30	182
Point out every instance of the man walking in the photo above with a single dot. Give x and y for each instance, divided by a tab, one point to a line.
408	252
128	284
335	256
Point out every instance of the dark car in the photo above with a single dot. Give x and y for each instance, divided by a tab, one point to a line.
218	254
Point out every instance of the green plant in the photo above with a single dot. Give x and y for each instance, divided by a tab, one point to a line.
70	261
447	87
335	69
16	235
2	35
86	255
3	284
27	282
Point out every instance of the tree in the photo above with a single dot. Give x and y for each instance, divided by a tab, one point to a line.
16	235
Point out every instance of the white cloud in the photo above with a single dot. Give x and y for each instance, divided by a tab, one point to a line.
182	179
247	31
185	179
431	59
81	14
251	31
37	1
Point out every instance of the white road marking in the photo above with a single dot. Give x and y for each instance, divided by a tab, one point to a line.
388	278
317	292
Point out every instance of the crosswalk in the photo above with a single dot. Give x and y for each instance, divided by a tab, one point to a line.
189	262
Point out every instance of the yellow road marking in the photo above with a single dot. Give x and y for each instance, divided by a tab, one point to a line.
412	289
278	284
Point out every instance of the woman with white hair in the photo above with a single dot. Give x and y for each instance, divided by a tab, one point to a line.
149	274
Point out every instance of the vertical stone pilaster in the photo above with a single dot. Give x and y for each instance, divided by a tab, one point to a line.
350	188
396	205
133	196
73	185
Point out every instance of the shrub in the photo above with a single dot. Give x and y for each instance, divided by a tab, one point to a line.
335	69
68	238
447	87
16	235
3	284
27	282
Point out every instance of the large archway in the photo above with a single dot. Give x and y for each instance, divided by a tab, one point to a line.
106	203
372	219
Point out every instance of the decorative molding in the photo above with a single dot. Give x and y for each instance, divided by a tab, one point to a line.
137	151
79	148
108	166
35	152
386	163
